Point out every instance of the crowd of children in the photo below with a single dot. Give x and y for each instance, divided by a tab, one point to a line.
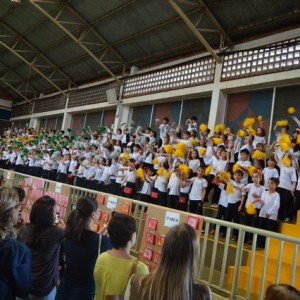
177	168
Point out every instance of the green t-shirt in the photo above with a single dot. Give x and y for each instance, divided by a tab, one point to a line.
112	274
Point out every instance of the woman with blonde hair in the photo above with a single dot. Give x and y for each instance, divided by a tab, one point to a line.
175	276
15	258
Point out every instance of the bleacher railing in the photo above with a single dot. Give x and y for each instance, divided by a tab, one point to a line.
233	269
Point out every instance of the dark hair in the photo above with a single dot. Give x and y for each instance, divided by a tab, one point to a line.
282	292
120	230
20	192
166	119
41	218
275	180
85	206
246	151
240	172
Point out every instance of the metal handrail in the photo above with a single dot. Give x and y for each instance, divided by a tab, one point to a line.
209	269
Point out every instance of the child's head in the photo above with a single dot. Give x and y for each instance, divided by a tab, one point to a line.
282	292
271	162
260	131
260	147
230	144
285	129
256	178
245	154
273	183
165	120
260	164
194	154
186	135
200	171
238	175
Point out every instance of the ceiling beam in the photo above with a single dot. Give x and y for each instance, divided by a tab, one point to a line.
75	40
216	22
97	35
31	65
50	64
191	26
14	89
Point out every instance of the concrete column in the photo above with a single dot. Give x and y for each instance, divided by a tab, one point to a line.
218	104
33	123
122	116
66	121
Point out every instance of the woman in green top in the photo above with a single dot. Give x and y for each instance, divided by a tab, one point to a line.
114	268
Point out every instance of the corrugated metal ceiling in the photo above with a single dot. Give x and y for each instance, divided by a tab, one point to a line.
91	39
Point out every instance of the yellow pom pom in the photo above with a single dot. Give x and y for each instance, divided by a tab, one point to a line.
285	138
282	123
193	142
184	169
298	139
229	188
284	147
235	167
181	147
248	122
202	151
178	153
286	161
291	110
251	170
258	155
160	171
140	173
252	130
203	127
241	133
168	174
223	176
216	141
260	118
250	209
219	128
155	161
208	170
125	155
168	148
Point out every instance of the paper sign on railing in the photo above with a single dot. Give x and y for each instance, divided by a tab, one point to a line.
171	219
58	187
111	202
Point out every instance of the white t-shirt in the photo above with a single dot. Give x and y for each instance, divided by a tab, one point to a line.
244	164
173	185
271	205
223	200
194	164
161	183
252	189
287	176
197	188
258	139
269	173
236	196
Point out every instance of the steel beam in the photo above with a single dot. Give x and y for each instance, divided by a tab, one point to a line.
216	22
32	67
14	89
194	30
50	64
76	40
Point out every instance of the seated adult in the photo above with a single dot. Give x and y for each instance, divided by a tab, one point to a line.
282	292
82	246
175	276
15	257
44	239
114	267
